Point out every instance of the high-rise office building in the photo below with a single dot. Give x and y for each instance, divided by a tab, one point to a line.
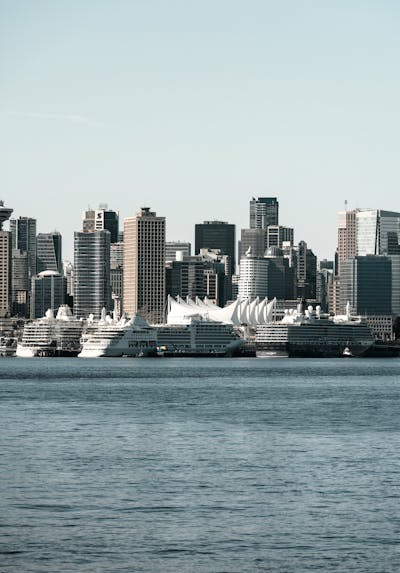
378	232
101	219
117	274
253	239
253	279
216	235
203	275
347	237
366	283
277	235
88	220
49	252
264	211
20	283
23	232
92	290
117	255
306	272
185	277
48	292
173	247
281	276
5	263
395	260
144	266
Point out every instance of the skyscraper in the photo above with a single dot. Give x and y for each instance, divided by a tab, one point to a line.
378	232
366	282
100	219
253	280
253	239
23	232
88	220
117	274
20	283
277	235
306	272
92	289
347	237
216	235
264	211
144	266
5	263
48	292
198	276
49	252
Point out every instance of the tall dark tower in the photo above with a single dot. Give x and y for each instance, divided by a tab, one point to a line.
264	211
23	232
49	252
216	235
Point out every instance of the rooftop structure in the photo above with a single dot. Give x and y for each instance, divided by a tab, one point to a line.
5	213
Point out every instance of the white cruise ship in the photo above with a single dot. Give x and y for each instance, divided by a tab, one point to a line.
198	338
311	334
113	338
49	336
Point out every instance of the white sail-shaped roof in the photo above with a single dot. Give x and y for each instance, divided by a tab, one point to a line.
269	310
238	313
252	312
181	313
228	315
261	311
244	317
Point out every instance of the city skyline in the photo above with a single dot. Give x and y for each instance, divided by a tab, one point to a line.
68	237
296	100
340	217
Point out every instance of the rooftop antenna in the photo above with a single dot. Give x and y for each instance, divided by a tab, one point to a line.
345	204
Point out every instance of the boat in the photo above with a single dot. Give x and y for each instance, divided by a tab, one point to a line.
347	353
312	334
111	337
51	336
198	338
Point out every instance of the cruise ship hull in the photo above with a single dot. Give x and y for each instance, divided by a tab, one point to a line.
45	352
233	349
309	350
114	352
199	338
319	339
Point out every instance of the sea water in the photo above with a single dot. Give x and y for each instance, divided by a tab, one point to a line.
199	465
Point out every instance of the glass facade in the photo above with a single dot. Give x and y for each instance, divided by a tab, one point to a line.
48	292
366	282
378	232
264	212
48	252
92	289
217	235
367	232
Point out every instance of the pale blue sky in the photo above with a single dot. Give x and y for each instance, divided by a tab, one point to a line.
192	108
